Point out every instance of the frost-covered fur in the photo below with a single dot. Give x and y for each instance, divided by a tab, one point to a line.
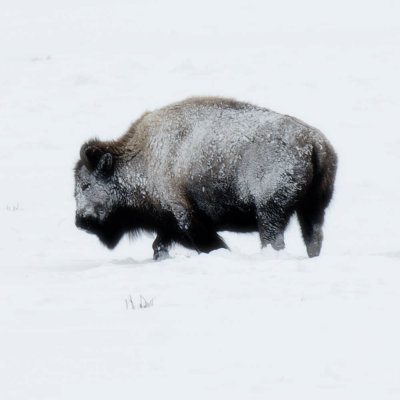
203	165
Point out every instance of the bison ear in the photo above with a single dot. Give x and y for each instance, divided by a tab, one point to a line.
96	158
105	163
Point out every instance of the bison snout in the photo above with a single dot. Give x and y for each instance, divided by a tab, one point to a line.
81	221
87	223
100	212
83	217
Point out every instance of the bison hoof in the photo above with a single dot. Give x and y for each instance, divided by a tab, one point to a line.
160	255
313	249
278	243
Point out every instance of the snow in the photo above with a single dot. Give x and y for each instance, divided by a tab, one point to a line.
240	324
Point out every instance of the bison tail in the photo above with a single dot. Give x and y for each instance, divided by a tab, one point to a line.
324	161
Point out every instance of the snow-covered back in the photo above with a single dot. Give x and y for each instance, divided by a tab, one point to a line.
242	324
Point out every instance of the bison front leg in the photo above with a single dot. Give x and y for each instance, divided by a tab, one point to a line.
160	247
198	233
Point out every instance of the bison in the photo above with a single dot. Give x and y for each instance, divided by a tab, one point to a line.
203	165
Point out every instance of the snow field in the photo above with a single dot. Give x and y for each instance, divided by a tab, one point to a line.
242	324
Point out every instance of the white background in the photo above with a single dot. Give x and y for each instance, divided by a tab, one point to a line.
245	324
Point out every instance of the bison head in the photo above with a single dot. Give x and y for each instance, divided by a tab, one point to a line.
96	194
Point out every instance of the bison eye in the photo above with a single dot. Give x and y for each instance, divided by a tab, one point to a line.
85	186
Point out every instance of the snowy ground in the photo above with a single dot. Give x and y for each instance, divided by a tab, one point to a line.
245	324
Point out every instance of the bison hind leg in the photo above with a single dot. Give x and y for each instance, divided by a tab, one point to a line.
311	212
273	217
311	221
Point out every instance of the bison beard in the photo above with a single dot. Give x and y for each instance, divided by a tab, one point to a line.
109	232
205	165
199	236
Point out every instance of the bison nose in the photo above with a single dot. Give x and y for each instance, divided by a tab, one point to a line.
99	211
82	214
